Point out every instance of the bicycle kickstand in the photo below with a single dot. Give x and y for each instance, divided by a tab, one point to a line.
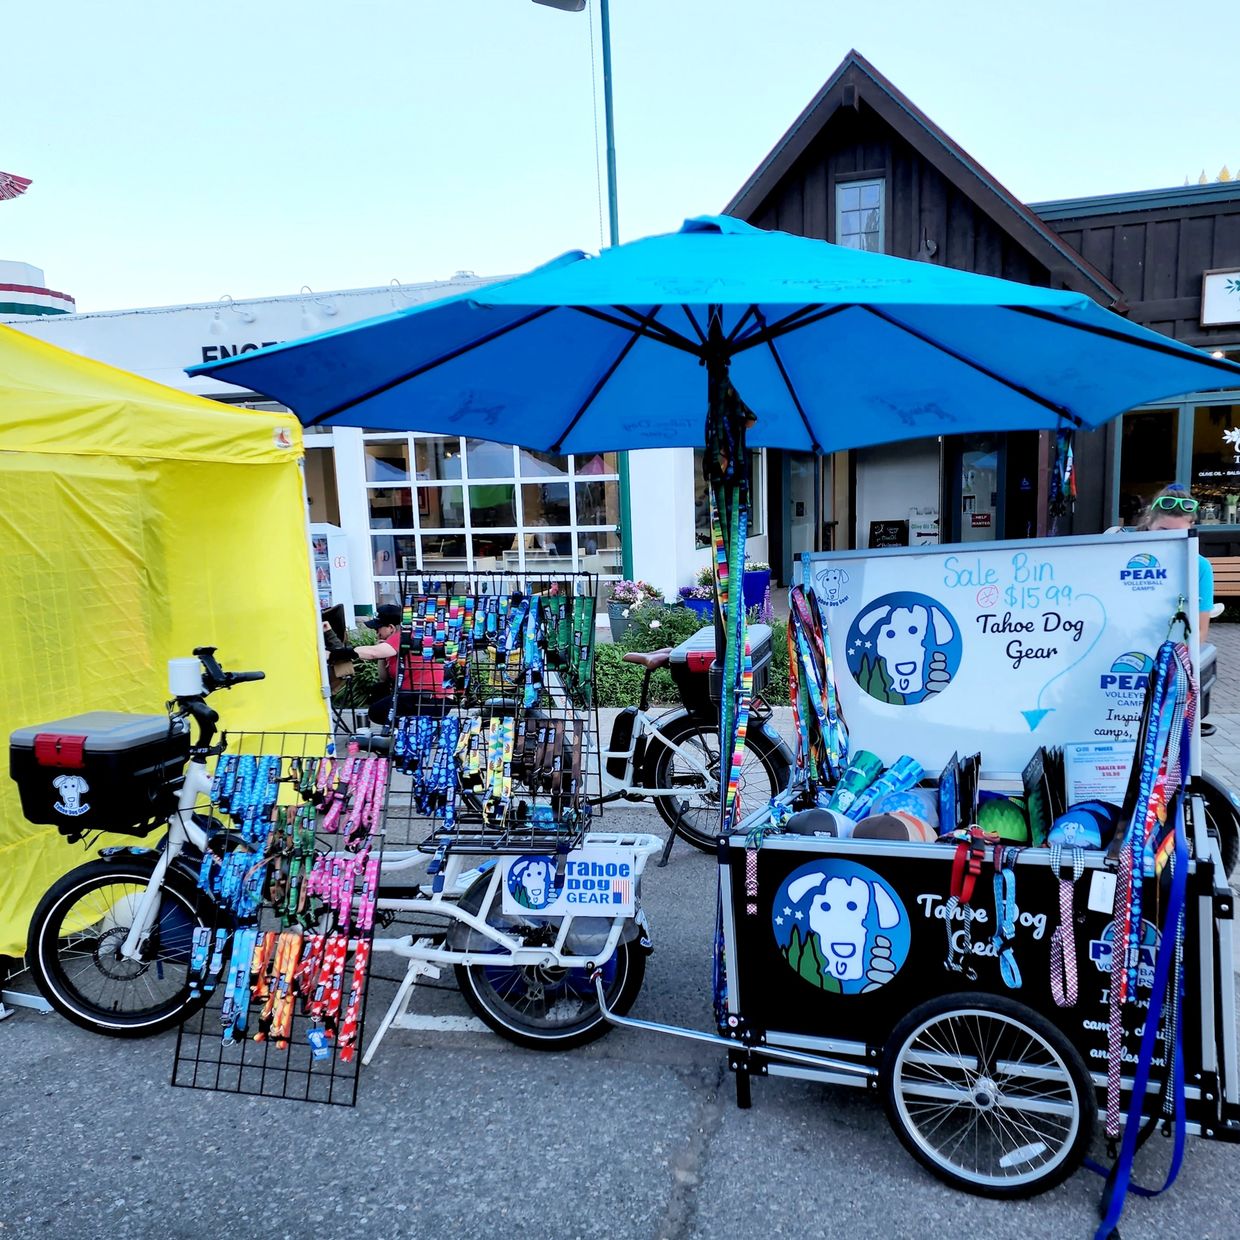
671	835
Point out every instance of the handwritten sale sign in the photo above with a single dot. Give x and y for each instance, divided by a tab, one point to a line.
999	648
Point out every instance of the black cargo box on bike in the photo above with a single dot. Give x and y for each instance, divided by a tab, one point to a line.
100	771
698	679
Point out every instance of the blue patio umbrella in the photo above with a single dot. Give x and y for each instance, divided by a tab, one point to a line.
831	348
724	335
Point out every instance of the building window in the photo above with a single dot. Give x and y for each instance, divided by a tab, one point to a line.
438	503
1216	463
1197	442
1147	460
859	214
701	498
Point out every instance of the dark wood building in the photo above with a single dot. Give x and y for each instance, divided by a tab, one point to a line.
863	166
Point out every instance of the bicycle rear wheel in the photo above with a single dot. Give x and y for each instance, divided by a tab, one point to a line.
540	1006
693	810
73	949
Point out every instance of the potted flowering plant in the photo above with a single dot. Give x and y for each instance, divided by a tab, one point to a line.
625	595
700	599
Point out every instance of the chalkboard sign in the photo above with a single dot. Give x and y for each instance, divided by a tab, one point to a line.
888	534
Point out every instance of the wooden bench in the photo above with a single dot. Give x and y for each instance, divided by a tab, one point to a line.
1226	576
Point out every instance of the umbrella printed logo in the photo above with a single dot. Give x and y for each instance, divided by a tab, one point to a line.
841	927
903	648
532	882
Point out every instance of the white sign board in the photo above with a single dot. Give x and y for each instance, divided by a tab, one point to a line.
1220	298
1000	648
598	880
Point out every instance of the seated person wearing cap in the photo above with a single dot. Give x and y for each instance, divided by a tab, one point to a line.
386	650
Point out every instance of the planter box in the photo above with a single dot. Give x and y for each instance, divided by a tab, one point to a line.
754	586
618	620
704	607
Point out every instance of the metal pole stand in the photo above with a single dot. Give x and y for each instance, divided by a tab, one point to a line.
397	1015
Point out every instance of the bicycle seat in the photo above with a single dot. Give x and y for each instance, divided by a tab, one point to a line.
656	658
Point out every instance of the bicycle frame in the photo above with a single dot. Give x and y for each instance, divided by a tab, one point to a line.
182	830
646	727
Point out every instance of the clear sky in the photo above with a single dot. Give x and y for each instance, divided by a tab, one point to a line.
181	151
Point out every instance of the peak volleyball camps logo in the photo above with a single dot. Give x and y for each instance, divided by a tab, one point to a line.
1143	573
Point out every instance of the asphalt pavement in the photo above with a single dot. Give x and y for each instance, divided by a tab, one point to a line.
461	1134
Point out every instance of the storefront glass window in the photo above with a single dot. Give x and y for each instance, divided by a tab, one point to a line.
598	503
438	458
600	552
441	508
546	504
391	508
1147	459
393	554
493	504
1216	463
387	461
484	459
474	504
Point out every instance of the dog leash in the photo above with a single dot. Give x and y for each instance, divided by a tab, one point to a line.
966	867
1063	941
1006	914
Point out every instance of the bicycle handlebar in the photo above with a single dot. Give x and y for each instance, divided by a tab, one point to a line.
215	677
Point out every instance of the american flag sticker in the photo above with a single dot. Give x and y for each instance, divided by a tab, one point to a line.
621	891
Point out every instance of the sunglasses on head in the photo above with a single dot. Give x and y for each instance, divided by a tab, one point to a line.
1169	503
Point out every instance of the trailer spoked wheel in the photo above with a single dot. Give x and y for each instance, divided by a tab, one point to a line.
988	1095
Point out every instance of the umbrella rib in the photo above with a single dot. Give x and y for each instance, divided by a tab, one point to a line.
1110	333
750	311
371	393
783	374
603	379
641	326
1058	410
795	321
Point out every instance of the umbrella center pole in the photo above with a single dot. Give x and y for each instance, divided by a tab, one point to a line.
725	464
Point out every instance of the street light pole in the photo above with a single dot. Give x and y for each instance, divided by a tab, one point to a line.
613	220
613	210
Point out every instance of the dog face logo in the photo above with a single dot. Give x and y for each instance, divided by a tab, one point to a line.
532	882
904	648
829	586
841	927
72	789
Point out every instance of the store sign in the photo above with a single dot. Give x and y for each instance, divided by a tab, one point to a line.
221	352
1220	297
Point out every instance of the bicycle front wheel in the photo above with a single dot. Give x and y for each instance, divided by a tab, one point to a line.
692	769
73	949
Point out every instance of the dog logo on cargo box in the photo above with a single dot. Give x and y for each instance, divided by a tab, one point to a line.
841	927
72	789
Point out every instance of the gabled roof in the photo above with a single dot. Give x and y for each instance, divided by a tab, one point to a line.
856	81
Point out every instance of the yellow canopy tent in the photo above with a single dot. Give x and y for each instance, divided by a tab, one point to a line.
137	522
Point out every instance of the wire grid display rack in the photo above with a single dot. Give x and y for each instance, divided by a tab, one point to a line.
496	720
292	871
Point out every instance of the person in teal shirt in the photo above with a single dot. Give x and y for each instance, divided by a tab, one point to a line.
1174	508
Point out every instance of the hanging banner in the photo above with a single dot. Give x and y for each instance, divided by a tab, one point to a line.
1000	648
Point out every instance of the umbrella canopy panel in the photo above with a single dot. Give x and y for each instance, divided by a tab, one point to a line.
832	348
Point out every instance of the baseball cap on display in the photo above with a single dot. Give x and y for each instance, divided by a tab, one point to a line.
388	613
